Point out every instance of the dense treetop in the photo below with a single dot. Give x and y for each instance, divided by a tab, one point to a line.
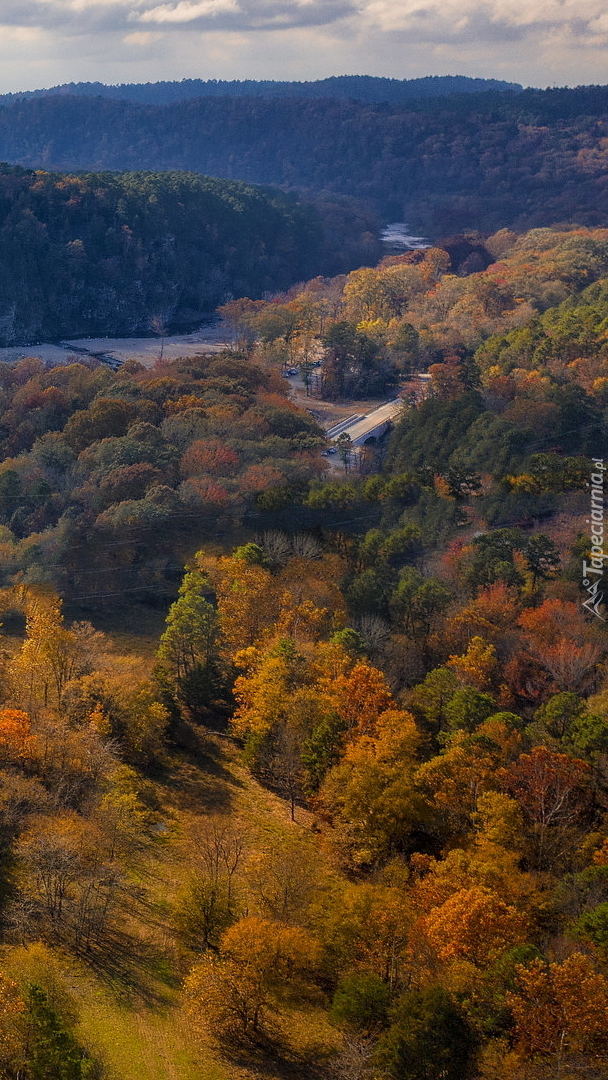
133	465
395	867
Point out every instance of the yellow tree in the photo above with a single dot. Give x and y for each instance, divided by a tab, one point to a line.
364	295
12	1028
476	667
368	930
370	795
51	655
265	694
248	598
499	843
232	993
453	781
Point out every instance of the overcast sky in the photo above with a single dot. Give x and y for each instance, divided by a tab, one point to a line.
541	43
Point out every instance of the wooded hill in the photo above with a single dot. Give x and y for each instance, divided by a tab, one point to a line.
104	253
480	161
358	87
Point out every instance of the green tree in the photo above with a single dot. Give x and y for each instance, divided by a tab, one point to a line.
344	444
593	926
361	1001
493	558
192	628
53	1053
322	750
542	558
468	708
462	483
428	1038
560	712
431	697
417	600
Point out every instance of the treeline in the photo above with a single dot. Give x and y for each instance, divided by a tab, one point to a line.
468	314
103	253
449	909
418	670
471	161
358	87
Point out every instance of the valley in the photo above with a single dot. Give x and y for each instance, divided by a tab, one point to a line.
303	693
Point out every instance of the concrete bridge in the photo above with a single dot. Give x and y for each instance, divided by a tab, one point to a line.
365	428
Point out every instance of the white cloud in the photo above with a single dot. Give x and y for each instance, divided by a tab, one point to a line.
185	11
142	37
142	40
484	20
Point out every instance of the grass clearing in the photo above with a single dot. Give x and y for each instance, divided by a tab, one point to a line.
128	1002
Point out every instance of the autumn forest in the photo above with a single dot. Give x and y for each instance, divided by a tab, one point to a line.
303	747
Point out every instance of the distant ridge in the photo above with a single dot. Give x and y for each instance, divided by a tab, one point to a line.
444	165
367	88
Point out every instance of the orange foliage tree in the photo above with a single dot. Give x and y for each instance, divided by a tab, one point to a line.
231	994
561	1016
16	739
474	924
554	791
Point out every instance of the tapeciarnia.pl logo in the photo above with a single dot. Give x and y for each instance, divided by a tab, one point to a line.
593	571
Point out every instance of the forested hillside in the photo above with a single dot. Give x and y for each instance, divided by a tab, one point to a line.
136	467
342	813
480	161
102	253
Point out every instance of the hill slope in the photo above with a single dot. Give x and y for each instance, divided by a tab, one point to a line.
103	253
470	161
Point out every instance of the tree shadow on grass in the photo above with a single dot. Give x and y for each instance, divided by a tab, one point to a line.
270	1058
136	972
198	778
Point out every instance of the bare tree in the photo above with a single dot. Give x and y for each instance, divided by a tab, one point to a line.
220	849
286	764
305	546
208	904
375	633
159	326
277	546
354	1061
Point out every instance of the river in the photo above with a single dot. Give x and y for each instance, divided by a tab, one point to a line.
398	237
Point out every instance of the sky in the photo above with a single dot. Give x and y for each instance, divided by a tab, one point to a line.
539	43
